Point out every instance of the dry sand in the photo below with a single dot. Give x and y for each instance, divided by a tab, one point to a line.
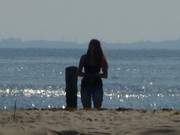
106	122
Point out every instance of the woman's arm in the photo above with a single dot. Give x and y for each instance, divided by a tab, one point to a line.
104	68
80	68
104	73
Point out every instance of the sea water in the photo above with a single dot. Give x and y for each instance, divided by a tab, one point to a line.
141	79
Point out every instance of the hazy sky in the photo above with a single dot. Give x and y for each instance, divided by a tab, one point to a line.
80	20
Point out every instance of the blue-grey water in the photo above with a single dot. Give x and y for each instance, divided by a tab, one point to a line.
147	79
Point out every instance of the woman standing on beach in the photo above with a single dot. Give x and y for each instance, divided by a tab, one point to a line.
92	67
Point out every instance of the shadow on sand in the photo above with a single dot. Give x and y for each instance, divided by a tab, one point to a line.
160	132
68	132
73	132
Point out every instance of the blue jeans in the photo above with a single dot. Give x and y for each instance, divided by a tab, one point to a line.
92	93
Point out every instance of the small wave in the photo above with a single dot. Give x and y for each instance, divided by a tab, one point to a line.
32	92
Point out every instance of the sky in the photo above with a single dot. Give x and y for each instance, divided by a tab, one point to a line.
81	20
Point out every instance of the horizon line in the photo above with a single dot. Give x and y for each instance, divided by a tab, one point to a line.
17	39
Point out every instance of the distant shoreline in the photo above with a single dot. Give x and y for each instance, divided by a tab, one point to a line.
18	43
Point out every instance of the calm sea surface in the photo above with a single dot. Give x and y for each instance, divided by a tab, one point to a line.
148	79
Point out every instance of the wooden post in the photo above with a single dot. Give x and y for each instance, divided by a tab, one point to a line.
71	87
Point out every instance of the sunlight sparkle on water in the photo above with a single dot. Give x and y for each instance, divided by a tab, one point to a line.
121	100
160	95
119	68
63	107
7	90
151	83
143	87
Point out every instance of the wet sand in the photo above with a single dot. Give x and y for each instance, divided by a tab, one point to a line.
105	122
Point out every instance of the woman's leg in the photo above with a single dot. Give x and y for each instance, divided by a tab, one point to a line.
86	98
97	97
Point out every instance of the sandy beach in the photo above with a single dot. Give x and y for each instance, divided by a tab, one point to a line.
80	122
